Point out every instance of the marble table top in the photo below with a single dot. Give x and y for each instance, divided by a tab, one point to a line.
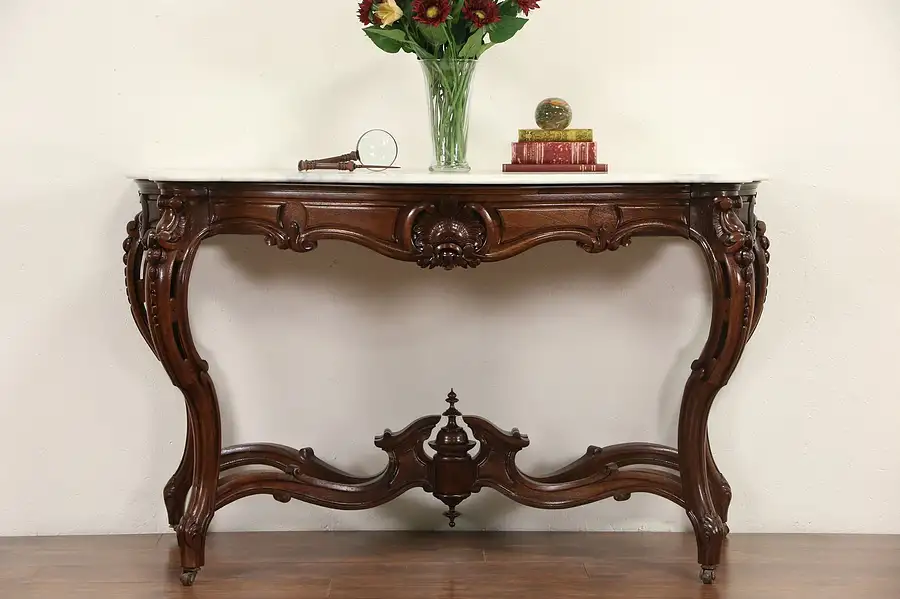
423	177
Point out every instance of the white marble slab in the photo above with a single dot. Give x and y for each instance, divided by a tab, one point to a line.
415	177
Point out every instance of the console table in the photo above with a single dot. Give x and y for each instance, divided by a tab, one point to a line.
443	221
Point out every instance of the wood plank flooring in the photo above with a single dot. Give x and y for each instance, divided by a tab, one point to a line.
450	565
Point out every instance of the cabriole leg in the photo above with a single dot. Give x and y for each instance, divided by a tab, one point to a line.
729	251
176	489
170	254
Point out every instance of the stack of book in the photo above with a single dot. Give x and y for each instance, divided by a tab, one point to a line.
562	151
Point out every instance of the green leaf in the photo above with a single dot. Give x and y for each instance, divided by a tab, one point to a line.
414	45
394	34
435	35
472	46
509	9
387	42
506	29
483	49
460	31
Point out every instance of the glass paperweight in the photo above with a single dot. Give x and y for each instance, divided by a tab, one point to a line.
553	114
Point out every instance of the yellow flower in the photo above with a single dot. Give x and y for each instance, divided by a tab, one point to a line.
388	12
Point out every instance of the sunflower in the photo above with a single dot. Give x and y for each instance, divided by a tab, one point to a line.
365	11
431	12
526	5
481	12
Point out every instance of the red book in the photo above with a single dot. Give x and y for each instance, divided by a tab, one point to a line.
554	152
555	168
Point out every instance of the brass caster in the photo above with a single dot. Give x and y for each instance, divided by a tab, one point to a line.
188	576
707	575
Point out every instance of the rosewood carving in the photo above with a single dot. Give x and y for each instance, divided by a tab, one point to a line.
448	235
444	227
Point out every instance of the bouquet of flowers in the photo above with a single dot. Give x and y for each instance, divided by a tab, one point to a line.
448	37
435	29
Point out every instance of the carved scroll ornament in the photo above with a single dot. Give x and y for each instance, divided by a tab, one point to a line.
453	472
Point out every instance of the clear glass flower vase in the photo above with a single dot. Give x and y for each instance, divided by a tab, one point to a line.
448	84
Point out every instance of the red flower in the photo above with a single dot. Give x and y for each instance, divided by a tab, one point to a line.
431	12
526	5
365	11
481	12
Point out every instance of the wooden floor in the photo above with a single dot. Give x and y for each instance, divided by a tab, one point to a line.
450	566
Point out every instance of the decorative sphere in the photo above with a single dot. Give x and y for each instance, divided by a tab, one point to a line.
553	114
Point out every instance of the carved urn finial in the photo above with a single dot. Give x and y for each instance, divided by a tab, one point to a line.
452	412
453	467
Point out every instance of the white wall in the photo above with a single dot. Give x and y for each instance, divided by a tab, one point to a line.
329	348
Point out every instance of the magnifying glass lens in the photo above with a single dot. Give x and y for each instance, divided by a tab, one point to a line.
377	147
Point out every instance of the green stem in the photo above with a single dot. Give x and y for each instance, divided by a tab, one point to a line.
448	87
451	46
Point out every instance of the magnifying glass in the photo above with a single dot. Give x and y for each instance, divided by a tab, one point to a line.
376	150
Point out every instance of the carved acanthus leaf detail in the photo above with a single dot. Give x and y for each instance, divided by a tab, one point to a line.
172	219
711	526
193	529
738	242
728	225
448	237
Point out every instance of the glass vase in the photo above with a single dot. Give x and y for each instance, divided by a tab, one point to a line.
448	83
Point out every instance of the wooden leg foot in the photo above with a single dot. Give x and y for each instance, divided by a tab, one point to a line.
188	576
191	535
707	574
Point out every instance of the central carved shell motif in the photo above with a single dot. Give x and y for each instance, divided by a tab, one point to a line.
449	239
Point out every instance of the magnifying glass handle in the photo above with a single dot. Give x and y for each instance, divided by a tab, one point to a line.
354	155
327	163
311	165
